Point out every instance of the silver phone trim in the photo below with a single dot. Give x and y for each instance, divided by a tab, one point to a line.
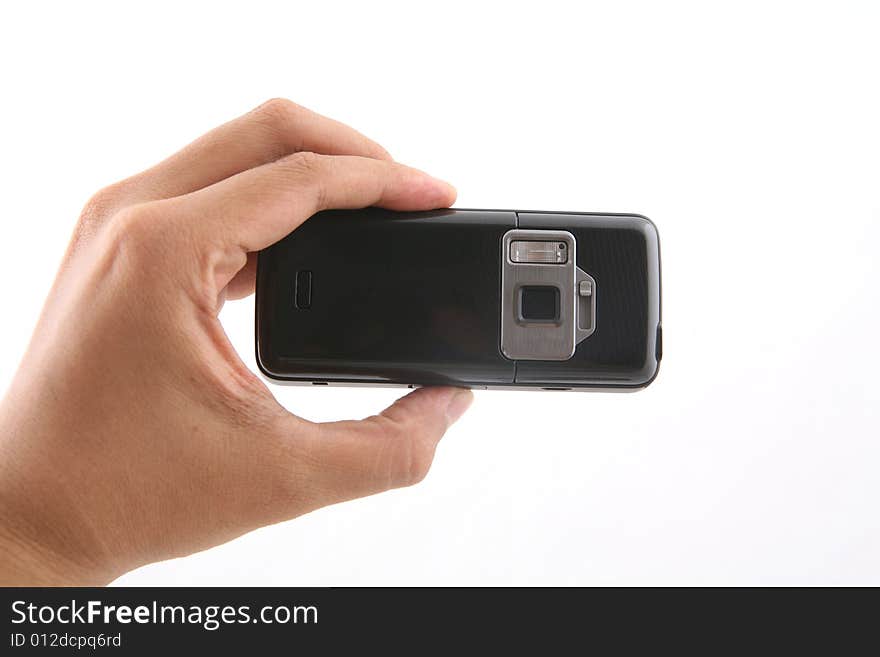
557	340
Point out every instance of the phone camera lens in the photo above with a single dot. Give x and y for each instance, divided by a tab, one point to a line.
539	303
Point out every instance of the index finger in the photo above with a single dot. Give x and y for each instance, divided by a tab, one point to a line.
273	130
258	207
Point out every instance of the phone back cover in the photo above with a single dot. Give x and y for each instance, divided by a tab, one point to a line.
395	297
415	298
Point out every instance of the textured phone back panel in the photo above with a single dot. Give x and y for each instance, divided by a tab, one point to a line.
378	296
622	253
410	298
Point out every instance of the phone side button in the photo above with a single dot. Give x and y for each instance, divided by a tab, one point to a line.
658	345
303	294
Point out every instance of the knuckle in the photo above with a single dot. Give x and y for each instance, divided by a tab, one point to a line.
278	118
310	171
128	251
277	113
102	205
417	463
137	233
137	222
305	163
409	457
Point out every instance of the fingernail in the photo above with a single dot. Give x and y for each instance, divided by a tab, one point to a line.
459	403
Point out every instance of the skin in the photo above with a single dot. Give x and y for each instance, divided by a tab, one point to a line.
133	432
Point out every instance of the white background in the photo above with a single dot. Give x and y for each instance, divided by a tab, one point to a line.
747	131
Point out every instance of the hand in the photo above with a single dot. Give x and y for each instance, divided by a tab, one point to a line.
132	431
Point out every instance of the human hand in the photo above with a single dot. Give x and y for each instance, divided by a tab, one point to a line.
132	431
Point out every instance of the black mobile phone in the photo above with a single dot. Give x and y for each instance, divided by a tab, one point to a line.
476	298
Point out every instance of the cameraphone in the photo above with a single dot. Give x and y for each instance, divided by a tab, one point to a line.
478	298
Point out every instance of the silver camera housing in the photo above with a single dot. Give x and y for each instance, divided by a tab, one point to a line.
533	259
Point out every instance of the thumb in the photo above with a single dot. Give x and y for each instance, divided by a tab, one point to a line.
395	448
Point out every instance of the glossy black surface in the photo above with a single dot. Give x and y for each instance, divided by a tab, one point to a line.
621	252
415	298
405	298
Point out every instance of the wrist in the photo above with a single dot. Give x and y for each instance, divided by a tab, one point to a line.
34	553
44	540
26	563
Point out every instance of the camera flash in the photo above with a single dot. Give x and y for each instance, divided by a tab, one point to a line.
545	253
